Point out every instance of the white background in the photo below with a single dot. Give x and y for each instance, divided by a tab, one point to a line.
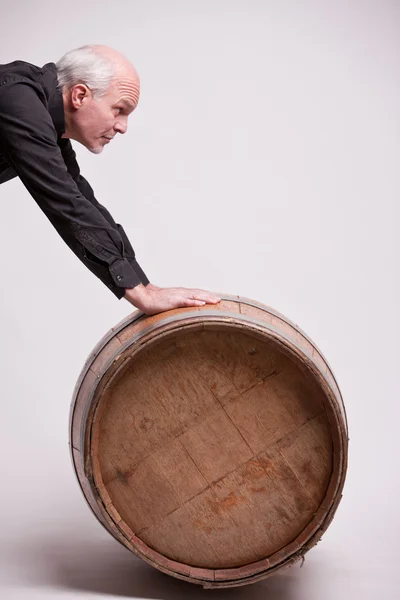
263	160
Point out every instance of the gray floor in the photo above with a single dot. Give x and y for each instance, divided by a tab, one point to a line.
52	547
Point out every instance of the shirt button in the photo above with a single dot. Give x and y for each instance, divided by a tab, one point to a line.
119	277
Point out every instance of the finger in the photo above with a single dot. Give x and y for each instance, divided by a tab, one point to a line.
213	299
193	302
198	294
210	299
204	294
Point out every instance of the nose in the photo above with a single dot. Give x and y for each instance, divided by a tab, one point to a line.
121	125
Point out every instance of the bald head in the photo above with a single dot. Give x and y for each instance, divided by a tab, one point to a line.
100	89
118	60
94	65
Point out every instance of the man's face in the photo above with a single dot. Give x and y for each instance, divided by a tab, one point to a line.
96	122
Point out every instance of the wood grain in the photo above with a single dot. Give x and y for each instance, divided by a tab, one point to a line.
213	440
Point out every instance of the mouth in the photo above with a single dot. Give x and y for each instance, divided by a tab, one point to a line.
108	138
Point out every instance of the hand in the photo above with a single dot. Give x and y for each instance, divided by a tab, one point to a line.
151	299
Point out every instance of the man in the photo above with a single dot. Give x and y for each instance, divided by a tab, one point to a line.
88	97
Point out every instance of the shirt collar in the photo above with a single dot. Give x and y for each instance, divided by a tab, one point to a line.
55	98
56	110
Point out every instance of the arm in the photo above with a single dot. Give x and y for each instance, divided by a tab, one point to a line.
69	157
29	142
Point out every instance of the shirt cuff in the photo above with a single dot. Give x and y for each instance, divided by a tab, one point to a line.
124	275
138	270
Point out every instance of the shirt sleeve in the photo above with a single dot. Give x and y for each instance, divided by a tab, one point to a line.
85	188
29	142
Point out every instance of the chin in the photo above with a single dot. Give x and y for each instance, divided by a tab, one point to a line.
96	150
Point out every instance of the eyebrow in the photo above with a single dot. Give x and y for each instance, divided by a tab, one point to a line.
127	104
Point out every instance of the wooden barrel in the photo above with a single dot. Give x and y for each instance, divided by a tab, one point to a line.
211	442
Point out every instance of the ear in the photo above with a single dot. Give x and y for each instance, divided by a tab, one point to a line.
80	94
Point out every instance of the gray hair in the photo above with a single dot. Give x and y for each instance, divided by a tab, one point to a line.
85	65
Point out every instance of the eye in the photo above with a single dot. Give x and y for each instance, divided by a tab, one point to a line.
117	111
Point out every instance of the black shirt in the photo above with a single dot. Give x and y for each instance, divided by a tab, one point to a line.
31	147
